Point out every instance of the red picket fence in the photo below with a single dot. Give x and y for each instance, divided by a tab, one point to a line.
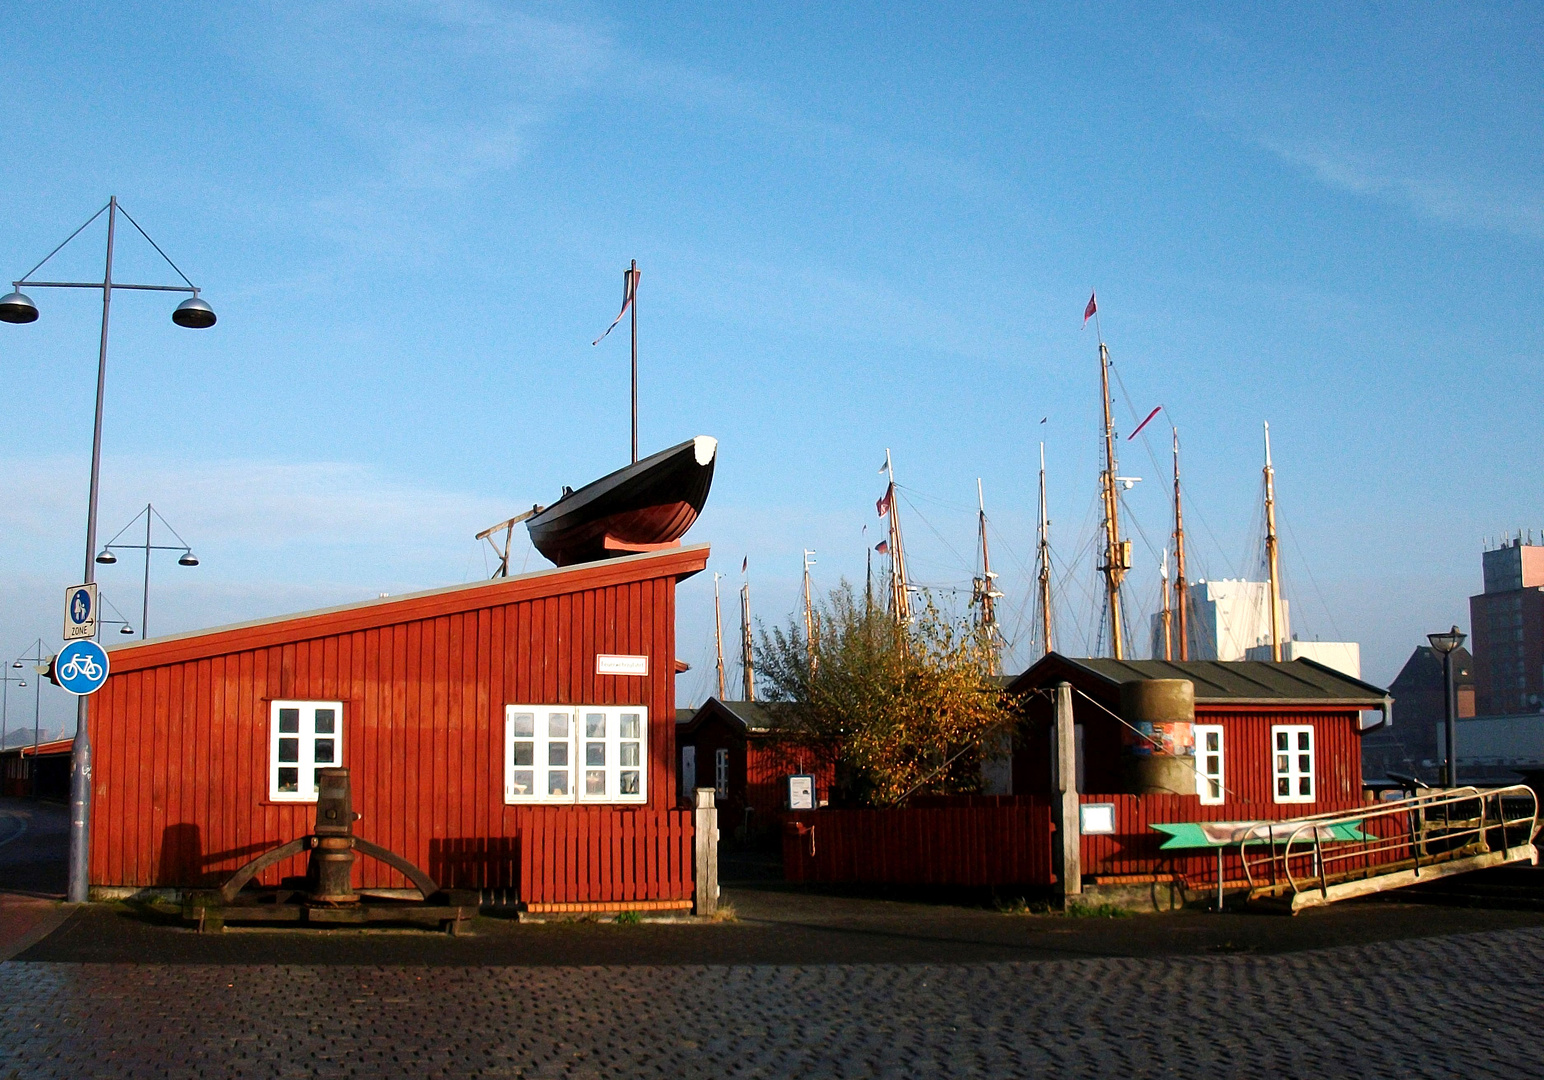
605	855
1008	843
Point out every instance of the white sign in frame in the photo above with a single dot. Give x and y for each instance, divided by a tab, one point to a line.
607	664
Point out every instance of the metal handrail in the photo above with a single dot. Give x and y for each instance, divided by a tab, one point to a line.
1317	826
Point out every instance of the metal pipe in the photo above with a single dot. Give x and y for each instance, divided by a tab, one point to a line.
1449	721
144	610
80	752
100	285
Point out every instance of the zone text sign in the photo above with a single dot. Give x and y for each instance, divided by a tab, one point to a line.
80	612
607	664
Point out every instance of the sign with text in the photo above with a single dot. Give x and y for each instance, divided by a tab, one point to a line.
606	664
801	792
80	612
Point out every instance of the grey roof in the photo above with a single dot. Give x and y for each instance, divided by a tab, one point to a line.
1302	681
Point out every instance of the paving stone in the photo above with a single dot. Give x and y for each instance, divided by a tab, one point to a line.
1436	1007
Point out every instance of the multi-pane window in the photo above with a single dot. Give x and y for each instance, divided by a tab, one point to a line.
304	737
564	754
721	773
1292	763
1210	784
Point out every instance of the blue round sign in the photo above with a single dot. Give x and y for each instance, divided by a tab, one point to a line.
80	606
81	667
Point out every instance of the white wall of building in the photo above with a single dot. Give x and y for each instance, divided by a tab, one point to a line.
1227	618
1344	656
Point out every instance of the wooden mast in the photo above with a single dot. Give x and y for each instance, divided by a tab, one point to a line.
1181	595
900	593
747	668
811	627
1168	612
631	289
1044	559
986	594
718	634
1117	555
1271	558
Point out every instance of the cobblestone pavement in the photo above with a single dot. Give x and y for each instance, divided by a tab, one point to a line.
1457	1006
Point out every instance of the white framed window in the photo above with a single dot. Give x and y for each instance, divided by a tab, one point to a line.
721	773
1292	763
566	753
304	737
1210	782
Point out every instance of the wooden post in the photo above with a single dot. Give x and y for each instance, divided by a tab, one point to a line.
705	832
1068	826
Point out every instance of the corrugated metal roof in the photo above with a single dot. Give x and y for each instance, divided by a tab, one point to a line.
1224	680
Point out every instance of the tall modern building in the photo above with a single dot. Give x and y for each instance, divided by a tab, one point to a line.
1226	618
1507	624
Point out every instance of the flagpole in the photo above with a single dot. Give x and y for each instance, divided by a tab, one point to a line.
633	289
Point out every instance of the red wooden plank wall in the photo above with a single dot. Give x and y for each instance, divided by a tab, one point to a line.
1007	844
768	762
181	740
1248	768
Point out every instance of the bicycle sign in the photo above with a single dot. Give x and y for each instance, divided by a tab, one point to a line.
80	612
81	667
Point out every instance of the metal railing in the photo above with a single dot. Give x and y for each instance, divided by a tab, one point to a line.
1436	827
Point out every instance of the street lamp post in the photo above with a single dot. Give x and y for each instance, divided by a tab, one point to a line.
1445	644
17	307
40	668
107	557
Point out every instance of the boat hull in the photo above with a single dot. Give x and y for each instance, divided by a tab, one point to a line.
647	506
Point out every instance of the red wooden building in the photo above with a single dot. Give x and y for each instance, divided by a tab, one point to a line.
43	771
742	751
510	734
1273	739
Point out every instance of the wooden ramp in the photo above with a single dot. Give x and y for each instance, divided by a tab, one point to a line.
1304	863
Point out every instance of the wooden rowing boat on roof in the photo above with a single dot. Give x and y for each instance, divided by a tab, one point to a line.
645	506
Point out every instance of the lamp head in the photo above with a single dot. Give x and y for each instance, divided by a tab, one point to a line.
192	313
106	558
188	559
17	307
126	629
1446	643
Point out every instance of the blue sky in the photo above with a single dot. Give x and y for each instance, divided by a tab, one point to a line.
858	229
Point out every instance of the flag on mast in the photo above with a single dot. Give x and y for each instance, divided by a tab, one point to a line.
1088	312
883	505
629	289
1143	424
883	547
746	562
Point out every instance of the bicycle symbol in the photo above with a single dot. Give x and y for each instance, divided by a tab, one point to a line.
80	667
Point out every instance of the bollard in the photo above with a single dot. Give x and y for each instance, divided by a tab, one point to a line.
705	832
332	859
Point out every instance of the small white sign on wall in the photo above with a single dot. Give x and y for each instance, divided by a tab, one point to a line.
1096	819
606	664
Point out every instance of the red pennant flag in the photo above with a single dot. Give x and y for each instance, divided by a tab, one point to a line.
1143	424
1088	312
883	547
883	505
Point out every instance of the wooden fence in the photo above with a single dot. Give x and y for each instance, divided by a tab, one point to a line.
580	858
1008	843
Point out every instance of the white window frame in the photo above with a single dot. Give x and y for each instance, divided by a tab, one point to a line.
543	753
1291	745
721	773
1211	775
301	744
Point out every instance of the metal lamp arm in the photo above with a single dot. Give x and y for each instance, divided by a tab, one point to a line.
101	285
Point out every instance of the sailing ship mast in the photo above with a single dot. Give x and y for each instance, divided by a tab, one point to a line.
1117	553
985	591
1271	560
1044	560
1181	598
718	634
746	667
1167	615
811	627
900	591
